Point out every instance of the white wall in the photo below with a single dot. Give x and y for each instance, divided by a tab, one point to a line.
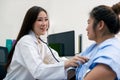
11	16
64	15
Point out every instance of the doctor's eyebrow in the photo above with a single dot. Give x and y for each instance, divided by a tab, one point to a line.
42	17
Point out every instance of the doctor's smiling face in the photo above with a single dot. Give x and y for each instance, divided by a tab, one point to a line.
41	24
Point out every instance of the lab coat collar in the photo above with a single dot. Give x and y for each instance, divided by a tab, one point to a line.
33	36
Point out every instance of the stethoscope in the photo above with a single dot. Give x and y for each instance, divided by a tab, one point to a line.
49	49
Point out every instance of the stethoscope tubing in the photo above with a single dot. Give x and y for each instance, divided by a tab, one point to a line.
50	50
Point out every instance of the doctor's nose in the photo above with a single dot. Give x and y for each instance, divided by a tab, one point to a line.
43	22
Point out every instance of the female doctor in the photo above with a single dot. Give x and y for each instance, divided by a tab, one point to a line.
30	58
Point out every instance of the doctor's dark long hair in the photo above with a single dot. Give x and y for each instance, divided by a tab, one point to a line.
26	27
110	16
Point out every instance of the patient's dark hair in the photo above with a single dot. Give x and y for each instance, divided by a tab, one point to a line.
26	27
110	16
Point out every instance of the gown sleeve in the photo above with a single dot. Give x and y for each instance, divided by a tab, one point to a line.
109	56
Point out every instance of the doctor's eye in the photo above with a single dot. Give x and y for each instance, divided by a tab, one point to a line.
46	19
39	19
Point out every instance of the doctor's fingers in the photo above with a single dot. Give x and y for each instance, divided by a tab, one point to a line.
81	59
70	63
73	63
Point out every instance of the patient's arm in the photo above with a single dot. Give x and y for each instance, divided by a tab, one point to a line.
101	72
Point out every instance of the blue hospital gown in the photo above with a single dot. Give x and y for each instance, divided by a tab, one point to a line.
108	52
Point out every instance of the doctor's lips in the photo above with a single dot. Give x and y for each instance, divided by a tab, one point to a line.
43	29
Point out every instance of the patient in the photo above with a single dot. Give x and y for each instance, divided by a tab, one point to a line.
104	54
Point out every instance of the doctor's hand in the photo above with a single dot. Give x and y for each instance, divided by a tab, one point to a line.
74	62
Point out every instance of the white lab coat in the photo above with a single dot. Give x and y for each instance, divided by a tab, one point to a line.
27	62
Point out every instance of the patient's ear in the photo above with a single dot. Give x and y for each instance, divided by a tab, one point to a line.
101	25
